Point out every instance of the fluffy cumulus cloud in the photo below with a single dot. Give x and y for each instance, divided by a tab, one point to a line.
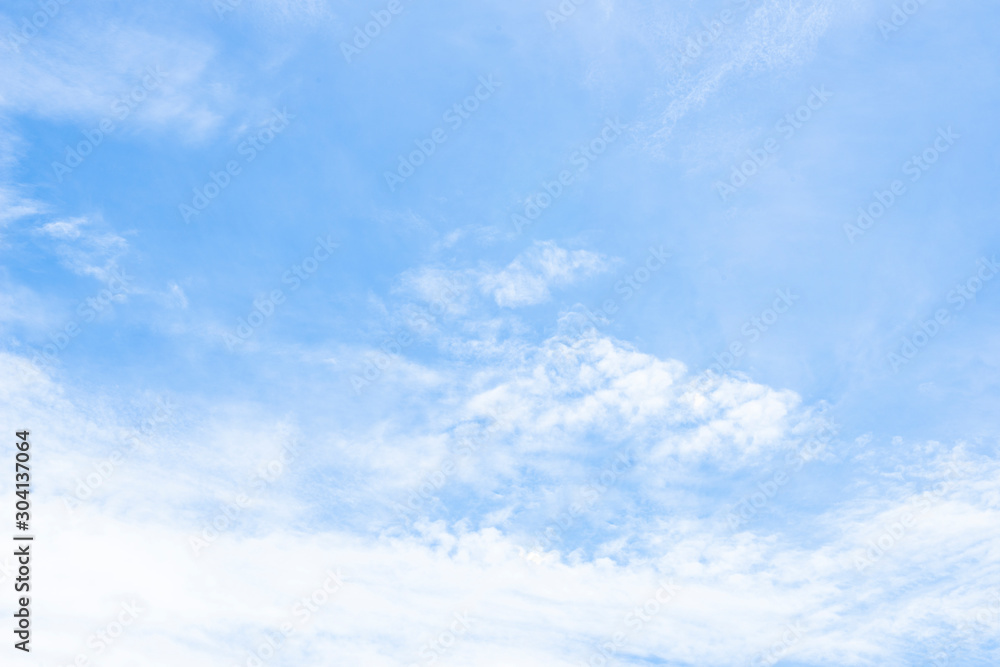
229	578
556	411
574	385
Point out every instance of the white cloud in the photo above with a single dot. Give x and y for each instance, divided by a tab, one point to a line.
561	409
62	77
64	229
736	593
85	246
526	281
13	206
435	285
776	33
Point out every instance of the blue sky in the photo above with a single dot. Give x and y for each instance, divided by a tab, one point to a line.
611	321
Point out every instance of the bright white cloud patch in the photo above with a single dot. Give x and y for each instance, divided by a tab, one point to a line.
64	229
527	280
475	596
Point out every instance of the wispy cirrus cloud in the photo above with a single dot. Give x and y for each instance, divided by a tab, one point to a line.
85	245
62	78
765	36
